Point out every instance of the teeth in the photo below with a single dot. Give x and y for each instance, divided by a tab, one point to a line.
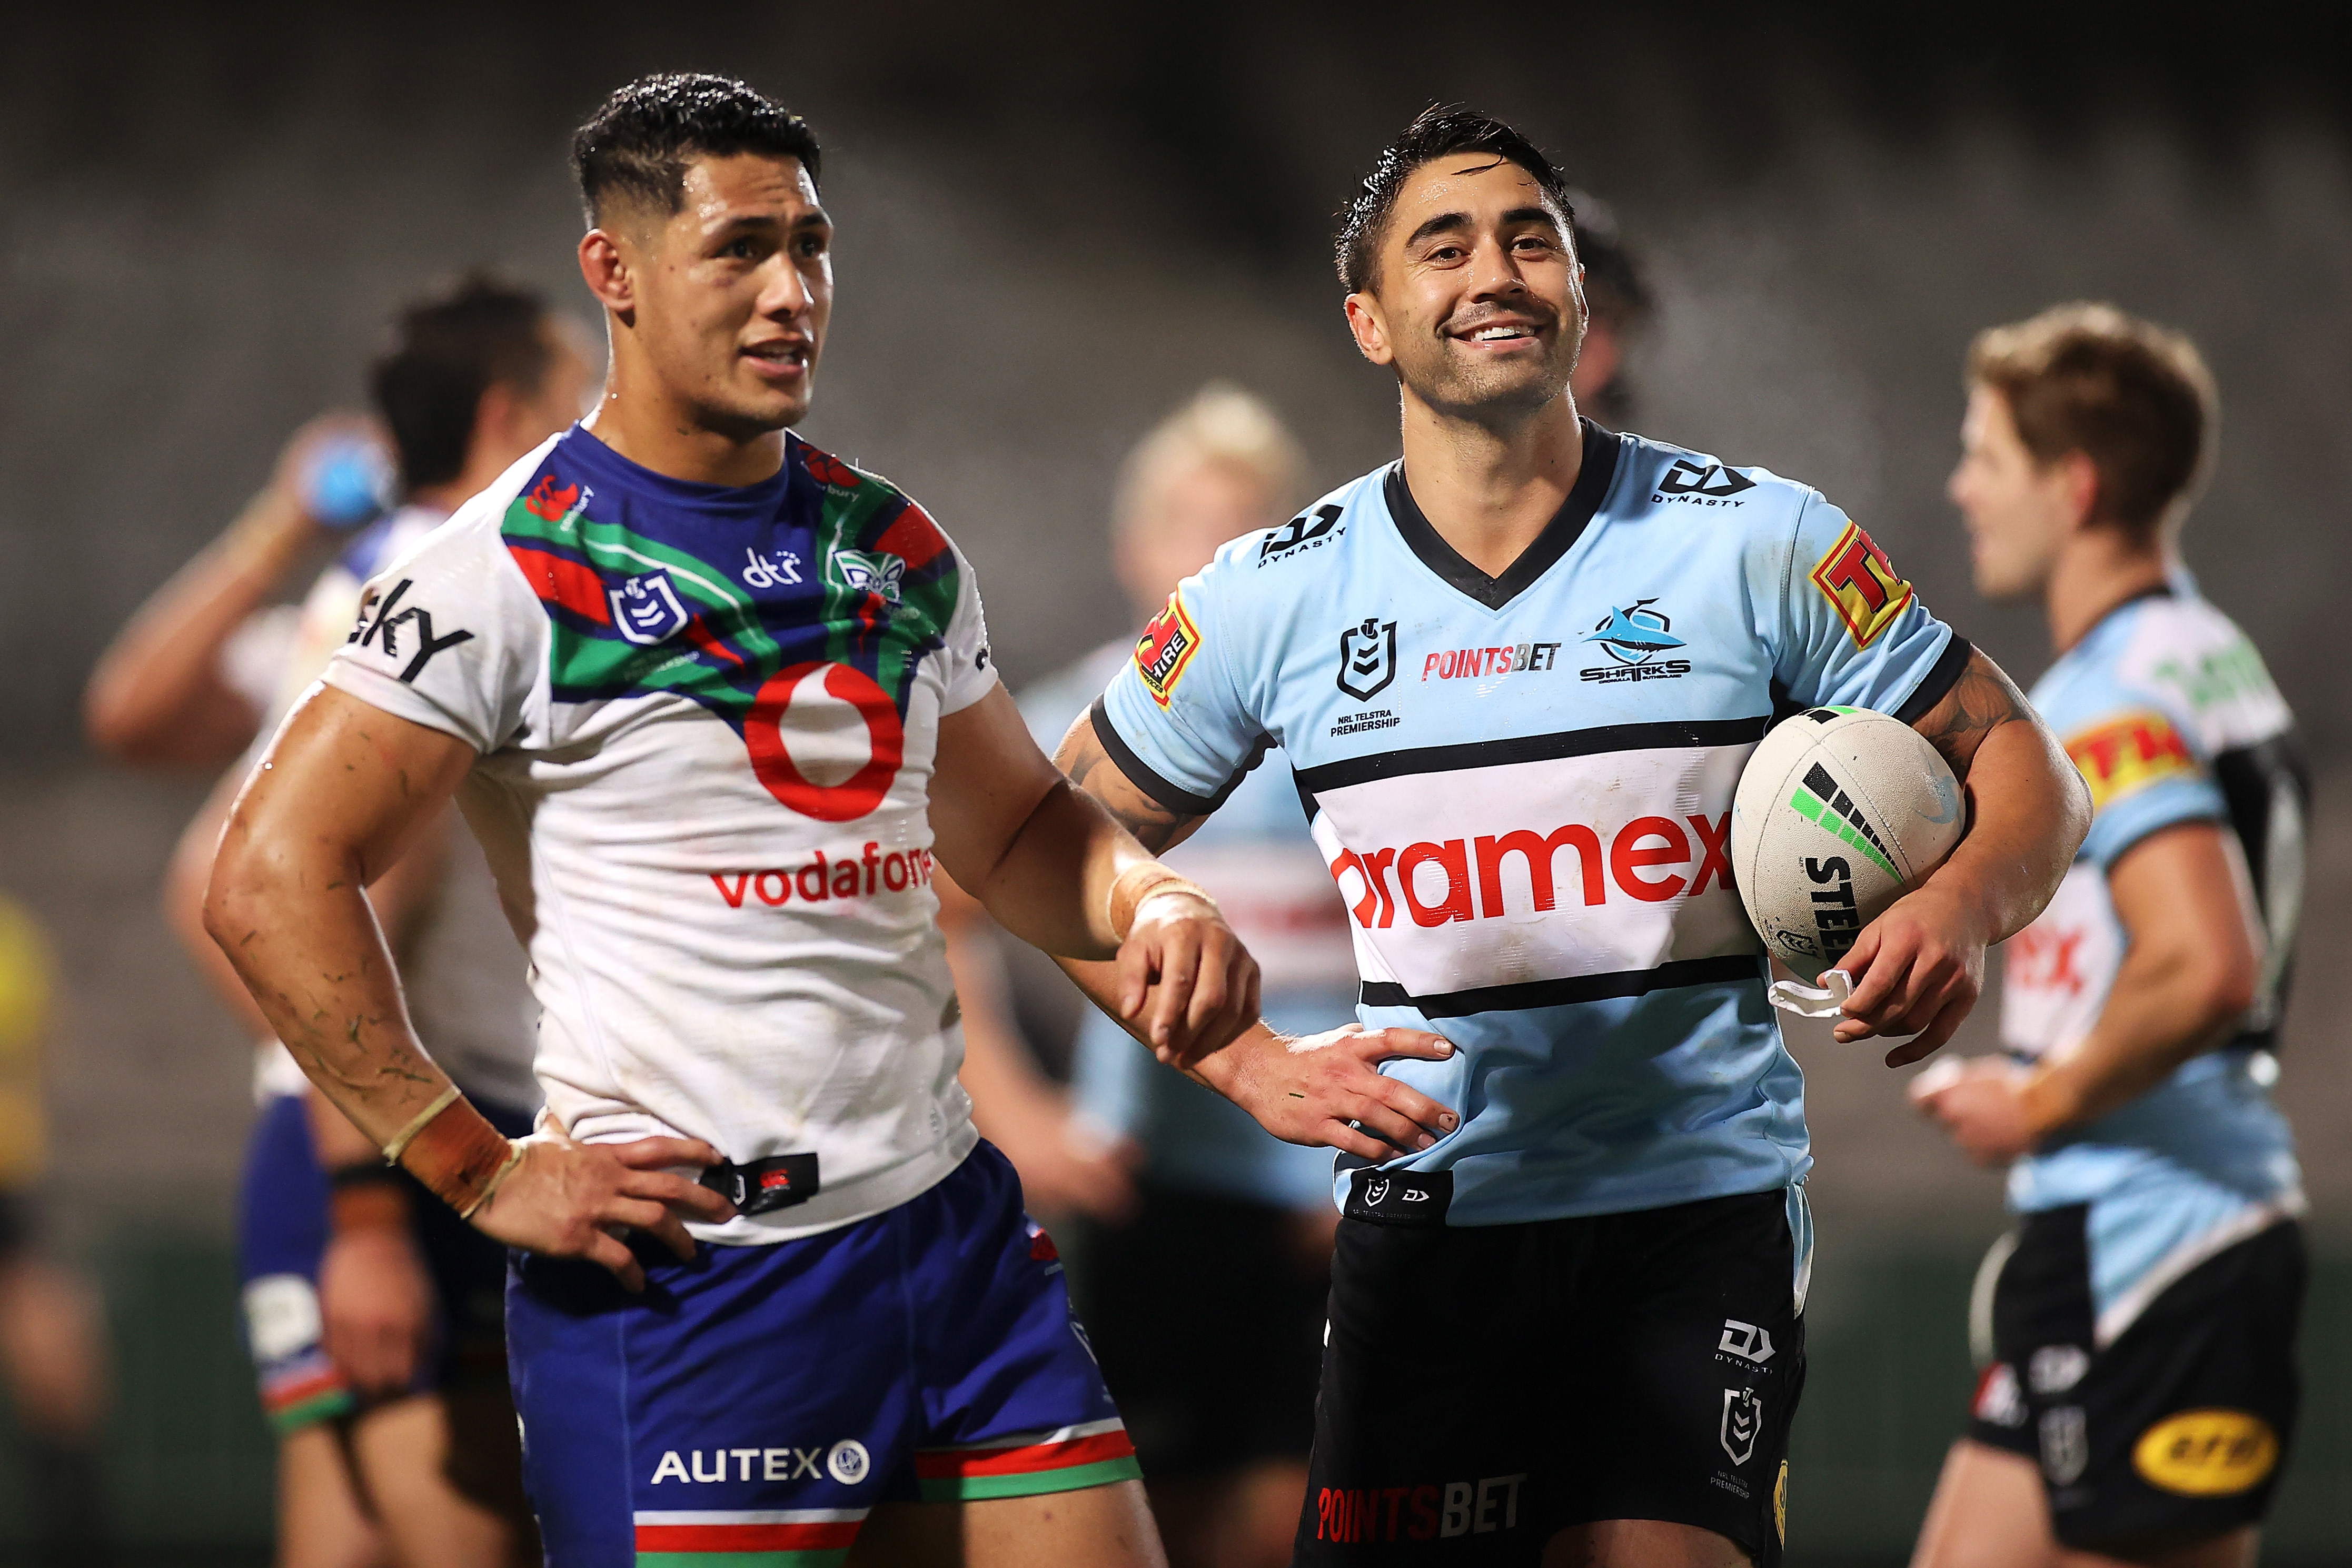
1493	335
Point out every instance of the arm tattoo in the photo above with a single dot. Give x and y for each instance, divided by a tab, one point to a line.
1981	701
1091	769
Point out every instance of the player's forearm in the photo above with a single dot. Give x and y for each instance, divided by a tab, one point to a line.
1052	887
2168	1006
2030	811
166	661
1100	982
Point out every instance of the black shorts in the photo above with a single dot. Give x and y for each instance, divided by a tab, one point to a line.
1207	1316
2180	1425
1486	1387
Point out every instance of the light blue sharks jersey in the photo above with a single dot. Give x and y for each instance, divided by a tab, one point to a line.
1523	787
2168	711
1256	857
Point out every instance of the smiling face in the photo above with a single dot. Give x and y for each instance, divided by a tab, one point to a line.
727	299
2020	511
1477	301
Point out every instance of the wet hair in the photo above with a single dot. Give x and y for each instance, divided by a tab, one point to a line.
446	350
2134	397
636	147
1438	131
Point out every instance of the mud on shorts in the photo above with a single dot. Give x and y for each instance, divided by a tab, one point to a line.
2179	1425
755	1402
282	1233
1486	1387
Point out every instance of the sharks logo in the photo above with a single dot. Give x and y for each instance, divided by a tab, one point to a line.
867	572
1634	637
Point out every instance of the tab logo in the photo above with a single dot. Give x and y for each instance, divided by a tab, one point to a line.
646	609
1860	585
1368	660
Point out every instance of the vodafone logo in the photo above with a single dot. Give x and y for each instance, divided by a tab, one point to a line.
802	735
1463	879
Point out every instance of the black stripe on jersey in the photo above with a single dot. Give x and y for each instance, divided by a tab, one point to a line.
1945	674
1567	525
1532	749
1182	802
1728	969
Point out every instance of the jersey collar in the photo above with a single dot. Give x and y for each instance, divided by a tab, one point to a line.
1567	526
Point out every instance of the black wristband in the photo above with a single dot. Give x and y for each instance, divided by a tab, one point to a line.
366	1173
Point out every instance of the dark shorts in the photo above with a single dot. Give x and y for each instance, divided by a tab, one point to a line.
1484	1387
753	1405
2181	1425
281	1223
1208	1316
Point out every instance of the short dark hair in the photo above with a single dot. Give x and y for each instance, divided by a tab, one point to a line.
639	143
1438	131
447	351
2132	396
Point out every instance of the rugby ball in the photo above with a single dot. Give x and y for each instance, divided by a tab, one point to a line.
1838	812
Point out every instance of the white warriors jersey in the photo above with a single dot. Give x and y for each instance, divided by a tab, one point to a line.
1522	785
705	719
461	969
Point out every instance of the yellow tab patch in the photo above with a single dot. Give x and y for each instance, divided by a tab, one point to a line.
1166	649
1857	579
2207	1453
2124	755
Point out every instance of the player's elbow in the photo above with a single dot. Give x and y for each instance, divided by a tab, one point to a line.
2218	984
243	883
120	728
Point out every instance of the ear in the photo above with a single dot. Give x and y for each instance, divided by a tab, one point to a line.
2078	479
1371	332
606	270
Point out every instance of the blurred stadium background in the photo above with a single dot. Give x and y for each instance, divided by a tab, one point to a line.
1056	222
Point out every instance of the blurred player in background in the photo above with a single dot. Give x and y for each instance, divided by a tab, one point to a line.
52	1324
1213	1366
372	1315
1617	308
1567	1325
2139	1323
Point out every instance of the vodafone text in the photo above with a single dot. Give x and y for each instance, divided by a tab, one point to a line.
847	876
1389	876
1367	1514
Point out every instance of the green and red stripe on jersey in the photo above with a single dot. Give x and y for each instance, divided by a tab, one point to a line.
308	1389
1094	1455
746	1538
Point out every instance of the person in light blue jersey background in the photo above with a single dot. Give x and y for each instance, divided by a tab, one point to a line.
2136	1329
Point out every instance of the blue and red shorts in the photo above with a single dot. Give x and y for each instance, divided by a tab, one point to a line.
752	1405
282	1226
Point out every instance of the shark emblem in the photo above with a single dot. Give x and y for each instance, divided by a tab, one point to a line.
1635	634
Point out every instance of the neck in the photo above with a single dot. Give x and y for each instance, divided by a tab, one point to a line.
2099	569
1489	486
642	420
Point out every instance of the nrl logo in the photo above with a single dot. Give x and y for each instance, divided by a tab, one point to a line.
865	573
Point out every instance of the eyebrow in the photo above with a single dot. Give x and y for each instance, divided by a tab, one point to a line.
1444	221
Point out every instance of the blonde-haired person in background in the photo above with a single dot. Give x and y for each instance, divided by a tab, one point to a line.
1203	1276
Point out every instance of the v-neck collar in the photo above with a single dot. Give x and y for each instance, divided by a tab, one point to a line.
1567	526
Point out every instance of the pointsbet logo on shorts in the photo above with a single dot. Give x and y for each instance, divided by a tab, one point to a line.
2207	1453
1861	585
1361	1515
1166	649
2126	755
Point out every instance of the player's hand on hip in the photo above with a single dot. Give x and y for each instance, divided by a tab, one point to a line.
569	1199
1327	1089
1185	978
375	1304
1917	970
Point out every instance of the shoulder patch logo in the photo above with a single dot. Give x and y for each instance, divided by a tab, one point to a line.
1166	649
1857	579
870	572
828	470
552	500
2124	755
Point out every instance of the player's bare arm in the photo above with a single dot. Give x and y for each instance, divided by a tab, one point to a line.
2189	970
342	792
1012	831
1919	967
1322	1090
